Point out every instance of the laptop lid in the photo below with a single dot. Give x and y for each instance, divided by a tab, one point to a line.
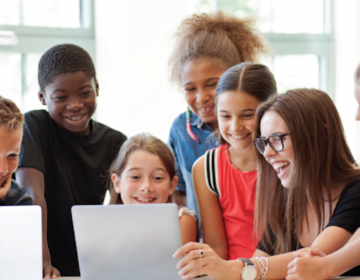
127	241
21	244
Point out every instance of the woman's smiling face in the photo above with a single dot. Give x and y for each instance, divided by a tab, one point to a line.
283	162
144	180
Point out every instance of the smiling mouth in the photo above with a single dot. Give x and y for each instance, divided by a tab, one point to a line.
144	200
206	109
76	118
239	137
281	167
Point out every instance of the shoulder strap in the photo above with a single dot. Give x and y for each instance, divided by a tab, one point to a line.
211	172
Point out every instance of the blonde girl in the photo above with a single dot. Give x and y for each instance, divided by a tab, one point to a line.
144	173
206	45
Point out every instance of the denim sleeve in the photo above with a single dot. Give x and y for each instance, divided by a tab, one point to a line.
17	195
181	182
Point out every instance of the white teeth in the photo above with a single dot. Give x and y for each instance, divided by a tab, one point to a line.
280	164
206	109
238	136
76	118
144	199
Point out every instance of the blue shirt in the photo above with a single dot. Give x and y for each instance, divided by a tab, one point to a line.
187	151
16	196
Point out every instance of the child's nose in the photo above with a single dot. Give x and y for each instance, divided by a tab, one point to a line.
237	125
75	104
146	186
202	96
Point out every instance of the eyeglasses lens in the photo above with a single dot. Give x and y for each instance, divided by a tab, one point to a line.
276	143
260	145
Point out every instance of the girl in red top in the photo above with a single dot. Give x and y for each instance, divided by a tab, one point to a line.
225	177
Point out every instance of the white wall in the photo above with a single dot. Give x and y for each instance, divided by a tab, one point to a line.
133	45
347	56
134	42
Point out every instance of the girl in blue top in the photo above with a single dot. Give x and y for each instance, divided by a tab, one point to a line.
206	46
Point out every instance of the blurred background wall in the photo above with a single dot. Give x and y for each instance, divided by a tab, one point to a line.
315	43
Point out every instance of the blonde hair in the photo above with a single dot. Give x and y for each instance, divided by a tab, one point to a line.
10	115
215	36
322	160
140	142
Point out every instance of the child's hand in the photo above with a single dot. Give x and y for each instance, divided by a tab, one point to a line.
308	253
308	265
49	271
200	259
7	182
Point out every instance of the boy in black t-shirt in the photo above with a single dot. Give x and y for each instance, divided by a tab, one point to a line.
11	124
65	154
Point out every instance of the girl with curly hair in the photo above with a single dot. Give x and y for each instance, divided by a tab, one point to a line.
206	46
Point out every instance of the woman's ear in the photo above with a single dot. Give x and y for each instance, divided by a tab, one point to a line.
173	185
116	182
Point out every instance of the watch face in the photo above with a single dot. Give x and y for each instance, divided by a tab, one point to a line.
249	272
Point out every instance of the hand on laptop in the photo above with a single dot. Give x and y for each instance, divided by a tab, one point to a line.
200	259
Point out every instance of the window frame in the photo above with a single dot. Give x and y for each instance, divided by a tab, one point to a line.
321	45
32	39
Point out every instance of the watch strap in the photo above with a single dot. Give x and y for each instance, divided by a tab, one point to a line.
246	261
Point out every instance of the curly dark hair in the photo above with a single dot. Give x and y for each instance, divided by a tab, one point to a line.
62	59
218	36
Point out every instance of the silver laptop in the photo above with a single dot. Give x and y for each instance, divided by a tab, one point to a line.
127	241
21	246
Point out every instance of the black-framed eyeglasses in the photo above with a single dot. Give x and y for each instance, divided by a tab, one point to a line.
275	141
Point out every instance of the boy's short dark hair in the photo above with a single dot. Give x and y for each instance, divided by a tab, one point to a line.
62	59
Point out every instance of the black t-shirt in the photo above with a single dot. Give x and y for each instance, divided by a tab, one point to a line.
346	215
75	169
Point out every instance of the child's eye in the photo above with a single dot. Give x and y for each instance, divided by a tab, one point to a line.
212	85
224	116
13	155
248	116
60	98
135	177
158	178
86	93
189	89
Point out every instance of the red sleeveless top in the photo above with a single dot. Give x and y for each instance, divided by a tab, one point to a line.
236	191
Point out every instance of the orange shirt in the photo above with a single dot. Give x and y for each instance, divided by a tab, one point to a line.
236	191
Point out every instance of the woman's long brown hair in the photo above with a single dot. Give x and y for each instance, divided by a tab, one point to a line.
322	159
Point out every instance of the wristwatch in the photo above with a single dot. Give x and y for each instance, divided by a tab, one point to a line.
249	272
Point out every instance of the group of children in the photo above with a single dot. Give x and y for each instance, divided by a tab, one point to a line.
264	177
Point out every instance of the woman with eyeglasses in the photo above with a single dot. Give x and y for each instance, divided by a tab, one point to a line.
225	177
308	190
315	265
